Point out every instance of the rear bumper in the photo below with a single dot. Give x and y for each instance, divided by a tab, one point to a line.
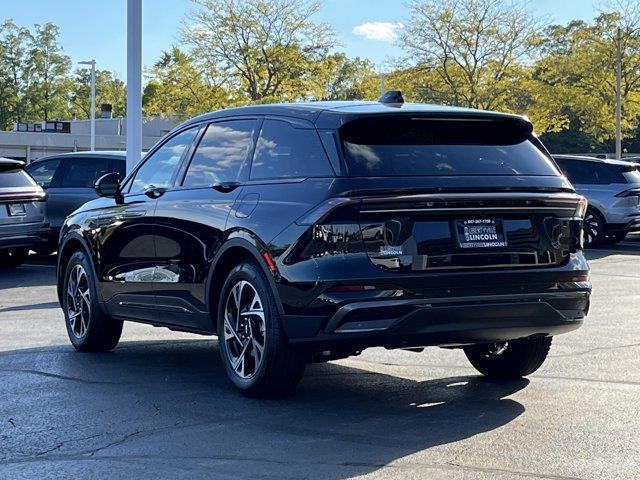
444	321
23	236
632	225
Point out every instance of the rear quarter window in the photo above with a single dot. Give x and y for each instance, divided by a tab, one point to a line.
586	172
396	145
284	151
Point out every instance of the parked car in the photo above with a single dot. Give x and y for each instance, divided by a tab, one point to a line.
613	191
69	179
23	224
248	223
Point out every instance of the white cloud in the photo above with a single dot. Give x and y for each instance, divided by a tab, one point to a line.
385	31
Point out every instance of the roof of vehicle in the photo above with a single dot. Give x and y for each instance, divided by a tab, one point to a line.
332	114
585	158
10	163
95	154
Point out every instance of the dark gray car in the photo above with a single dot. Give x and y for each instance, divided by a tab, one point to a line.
23	225
68	179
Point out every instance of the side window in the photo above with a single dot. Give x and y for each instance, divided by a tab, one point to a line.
608	174
287	152
119	166
43	172
159	168
220	153
83	172
579	172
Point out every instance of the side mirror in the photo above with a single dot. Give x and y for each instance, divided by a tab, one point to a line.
108	185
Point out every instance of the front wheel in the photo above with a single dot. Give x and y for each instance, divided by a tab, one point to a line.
88	327
509	360
254	349
10	259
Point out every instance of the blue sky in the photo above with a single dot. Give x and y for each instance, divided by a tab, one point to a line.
97	28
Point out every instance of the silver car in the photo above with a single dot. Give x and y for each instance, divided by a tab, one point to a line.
613	191
23	223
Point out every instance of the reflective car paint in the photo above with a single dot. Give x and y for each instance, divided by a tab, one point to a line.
179	240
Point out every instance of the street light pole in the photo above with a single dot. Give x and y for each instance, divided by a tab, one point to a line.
134	83
618	94
93	101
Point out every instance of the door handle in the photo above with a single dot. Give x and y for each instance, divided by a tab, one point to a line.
225	187
154	192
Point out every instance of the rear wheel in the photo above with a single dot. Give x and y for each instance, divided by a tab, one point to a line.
594	228
613	238
513	359
254	349
47	248
12	258
88	327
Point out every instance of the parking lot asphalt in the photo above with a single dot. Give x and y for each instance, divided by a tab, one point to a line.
161	407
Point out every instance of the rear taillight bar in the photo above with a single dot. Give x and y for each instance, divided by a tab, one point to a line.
316	214
633	192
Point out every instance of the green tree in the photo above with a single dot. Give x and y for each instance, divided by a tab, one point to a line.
48	68
109	89
471	50
14	78
339	77
265	49
574	82
180	88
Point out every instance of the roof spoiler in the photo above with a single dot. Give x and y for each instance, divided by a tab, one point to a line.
8	164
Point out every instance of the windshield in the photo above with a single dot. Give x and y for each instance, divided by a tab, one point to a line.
404	145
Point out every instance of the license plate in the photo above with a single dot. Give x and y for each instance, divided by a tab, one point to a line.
17	209
480	233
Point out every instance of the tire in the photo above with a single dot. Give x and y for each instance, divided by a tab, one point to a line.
95	331
613	238
515	359
13	258
254	349
594	228
47	248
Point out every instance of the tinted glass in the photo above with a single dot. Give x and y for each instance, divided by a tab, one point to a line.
83	172
15	178
42	172
608	174
584	172
220	153
403	145
284	152
159	168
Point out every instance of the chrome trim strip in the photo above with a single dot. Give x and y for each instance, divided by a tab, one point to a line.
472	209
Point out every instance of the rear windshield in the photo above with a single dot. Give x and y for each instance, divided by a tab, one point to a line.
405	145
15	177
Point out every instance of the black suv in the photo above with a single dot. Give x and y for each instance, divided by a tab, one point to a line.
308	232
68	179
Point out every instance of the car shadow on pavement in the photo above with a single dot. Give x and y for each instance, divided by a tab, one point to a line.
27	308
169	406
28	276
626	248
